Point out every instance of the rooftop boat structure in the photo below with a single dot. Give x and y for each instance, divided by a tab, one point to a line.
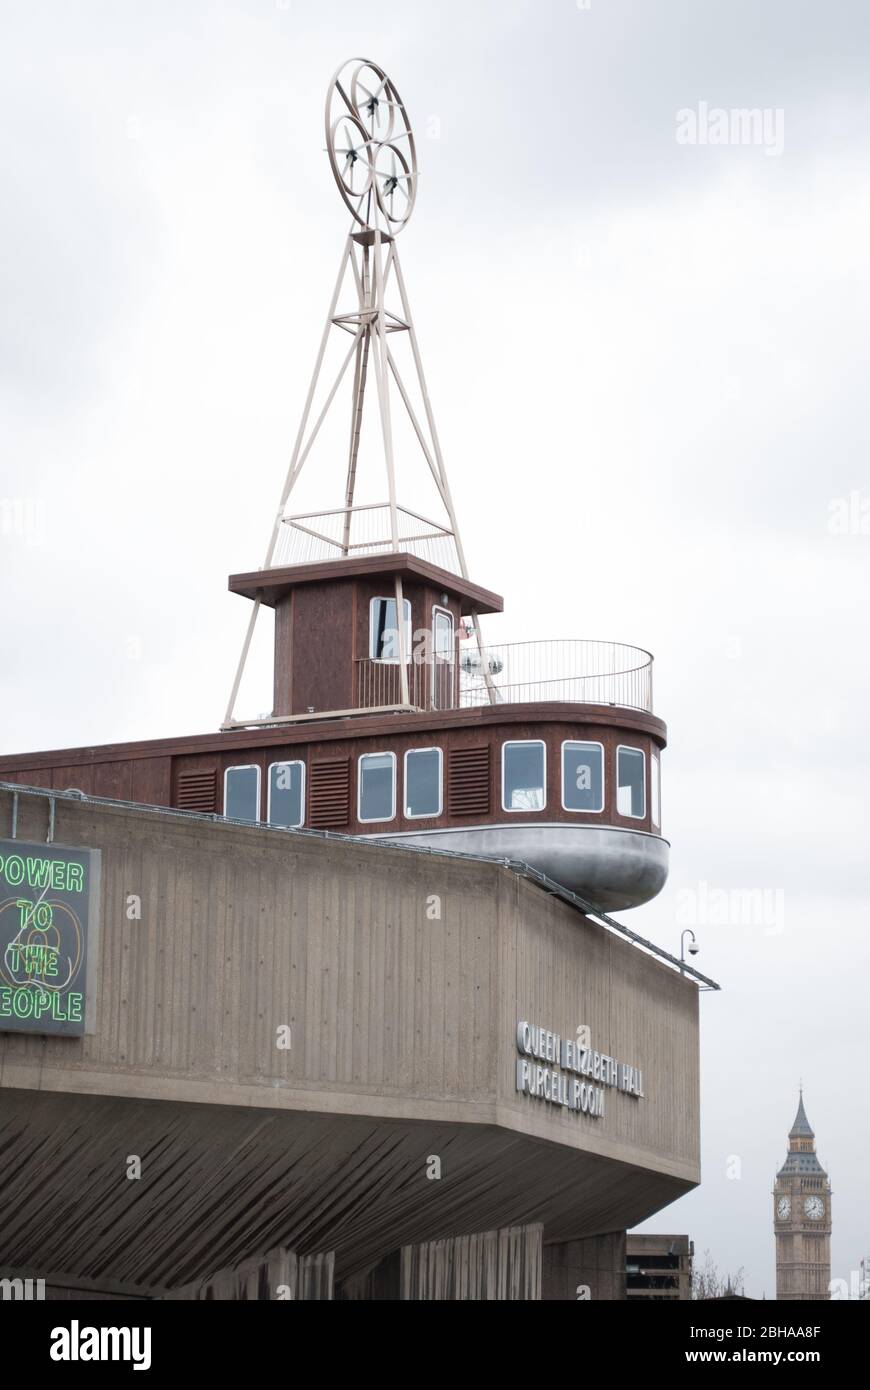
393	714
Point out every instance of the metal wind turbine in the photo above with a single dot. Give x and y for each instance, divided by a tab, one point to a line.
373	156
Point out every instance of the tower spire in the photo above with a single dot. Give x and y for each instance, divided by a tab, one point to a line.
801	1129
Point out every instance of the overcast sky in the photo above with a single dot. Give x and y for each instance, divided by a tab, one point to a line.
649	364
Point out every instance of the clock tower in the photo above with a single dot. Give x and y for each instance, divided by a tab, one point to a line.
802	1217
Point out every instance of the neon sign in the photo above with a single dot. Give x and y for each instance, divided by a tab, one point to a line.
47	908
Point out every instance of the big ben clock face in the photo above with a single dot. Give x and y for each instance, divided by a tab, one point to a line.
783	1208
814	1208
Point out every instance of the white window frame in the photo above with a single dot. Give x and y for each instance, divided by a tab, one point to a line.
428	815
406	604
655	790
519	743
374	820
587	743
630	748
245	767
285	762
438	610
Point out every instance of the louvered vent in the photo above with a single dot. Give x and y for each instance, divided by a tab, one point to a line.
468	782
197	791
329	794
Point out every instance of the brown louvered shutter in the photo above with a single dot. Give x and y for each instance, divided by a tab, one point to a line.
197	791
468	779
329	794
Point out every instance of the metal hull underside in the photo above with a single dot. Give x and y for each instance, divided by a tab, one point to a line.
613	868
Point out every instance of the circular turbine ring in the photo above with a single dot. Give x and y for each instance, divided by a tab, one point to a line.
371	146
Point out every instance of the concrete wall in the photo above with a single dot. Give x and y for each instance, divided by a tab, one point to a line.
590	1269
401	977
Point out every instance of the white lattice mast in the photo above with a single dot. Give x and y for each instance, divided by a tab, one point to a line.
373	156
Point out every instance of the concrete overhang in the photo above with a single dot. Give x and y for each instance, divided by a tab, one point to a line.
401	977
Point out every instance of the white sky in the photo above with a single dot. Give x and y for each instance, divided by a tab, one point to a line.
649	366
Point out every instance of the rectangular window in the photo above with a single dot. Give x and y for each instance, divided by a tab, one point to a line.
286	799
654	791
630	780
523	776
582	776
423	782
377	786
242	793
444	651
384	631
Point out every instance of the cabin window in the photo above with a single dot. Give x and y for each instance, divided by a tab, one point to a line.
630	779
523	776
654	791
444	650
582	776
286	800
384	631
377	786
242	793
422	782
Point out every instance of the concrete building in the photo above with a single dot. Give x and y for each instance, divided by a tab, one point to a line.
296	1068
328	1003
658	1267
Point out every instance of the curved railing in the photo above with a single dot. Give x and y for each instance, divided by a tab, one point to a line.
573	671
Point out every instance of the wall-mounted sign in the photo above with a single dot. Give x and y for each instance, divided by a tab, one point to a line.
48	914
569	1073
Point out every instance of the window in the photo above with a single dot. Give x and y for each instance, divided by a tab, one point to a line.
286	800
523	776
630	778
377	786
423	782
384	631
583	776
444	649
655	794
242	793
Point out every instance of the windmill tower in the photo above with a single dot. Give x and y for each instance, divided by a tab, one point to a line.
373	156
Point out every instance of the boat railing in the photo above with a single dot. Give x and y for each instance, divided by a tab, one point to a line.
369	529
570	671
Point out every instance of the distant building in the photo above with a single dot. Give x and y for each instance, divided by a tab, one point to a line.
658	1267
802	1217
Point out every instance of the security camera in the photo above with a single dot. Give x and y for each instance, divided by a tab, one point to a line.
694	949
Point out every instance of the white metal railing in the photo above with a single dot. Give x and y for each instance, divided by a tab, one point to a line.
365	530
570	671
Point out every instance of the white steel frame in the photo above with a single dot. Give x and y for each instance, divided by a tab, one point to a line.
371	257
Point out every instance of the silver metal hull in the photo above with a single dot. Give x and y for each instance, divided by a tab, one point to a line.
612	867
